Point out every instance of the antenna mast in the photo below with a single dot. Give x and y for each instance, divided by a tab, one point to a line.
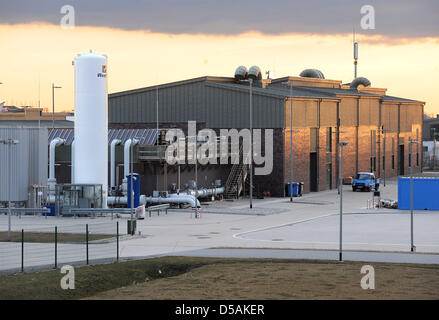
355	55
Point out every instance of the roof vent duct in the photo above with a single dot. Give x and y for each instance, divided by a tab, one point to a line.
255	73
312	73
241	73
359	80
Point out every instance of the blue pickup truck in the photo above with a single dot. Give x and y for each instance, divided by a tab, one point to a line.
365	181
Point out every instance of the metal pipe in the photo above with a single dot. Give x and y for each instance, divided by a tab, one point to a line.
126	161
53	144
201	193
114	142
116	200
251	144
194	203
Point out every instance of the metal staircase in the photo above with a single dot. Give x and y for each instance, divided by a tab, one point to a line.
237	176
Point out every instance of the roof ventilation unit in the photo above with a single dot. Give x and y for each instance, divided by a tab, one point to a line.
241	73
255	73
359	80
312	73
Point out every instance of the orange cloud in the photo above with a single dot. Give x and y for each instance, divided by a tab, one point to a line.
407	67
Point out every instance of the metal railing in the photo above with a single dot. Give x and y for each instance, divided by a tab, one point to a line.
51	247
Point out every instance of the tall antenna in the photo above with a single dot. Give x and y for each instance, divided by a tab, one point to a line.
355	55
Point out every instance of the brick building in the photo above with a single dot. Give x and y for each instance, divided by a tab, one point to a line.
324	113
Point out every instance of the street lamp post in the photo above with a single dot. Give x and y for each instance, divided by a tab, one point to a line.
251	143
134	142
340	180
434	148
9	142
53	104
250	81
412	246
291	138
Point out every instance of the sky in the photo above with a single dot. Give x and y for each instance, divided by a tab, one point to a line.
150	42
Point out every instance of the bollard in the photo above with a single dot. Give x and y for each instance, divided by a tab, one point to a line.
22	250
56	247
86	242
117	240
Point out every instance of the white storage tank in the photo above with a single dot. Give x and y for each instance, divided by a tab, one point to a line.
91	121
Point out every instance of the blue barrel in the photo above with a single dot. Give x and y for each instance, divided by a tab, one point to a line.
136	188
295	187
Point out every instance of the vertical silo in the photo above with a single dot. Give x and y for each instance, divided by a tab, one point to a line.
91	121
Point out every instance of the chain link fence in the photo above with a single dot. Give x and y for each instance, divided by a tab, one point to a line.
51	247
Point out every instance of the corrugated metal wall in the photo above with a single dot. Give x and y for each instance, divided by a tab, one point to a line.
197	101
28	165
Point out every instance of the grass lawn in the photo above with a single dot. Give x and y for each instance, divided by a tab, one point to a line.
214	278
49	237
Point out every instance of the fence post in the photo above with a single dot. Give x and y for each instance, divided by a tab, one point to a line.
22	250
86	241
56	247
117	239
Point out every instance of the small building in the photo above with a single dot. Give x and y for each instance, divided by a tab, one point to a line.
28	117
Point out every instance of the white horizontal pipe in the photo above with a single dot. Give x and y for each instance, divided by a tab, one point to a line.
116	200
201	193
194	203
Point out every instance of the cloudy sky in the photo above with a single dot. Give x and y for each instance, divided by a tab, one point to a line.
156	41
396	18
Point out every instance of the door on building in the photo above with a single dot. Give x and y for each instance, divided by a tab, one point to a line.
401	160
313	172
329	175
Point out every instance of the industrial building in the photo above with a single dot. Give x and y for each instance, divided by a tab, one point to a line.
377	127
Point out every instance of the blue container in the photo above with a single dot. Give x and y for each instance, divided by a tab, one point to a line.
52	211
295	187
424	193
136	188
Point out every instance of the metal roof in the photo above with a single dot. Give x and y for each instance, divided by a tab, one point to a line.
276	91
335	91
147	137
397	99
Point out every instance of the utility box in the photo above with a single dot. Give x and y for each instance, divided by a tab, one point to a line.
424	193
